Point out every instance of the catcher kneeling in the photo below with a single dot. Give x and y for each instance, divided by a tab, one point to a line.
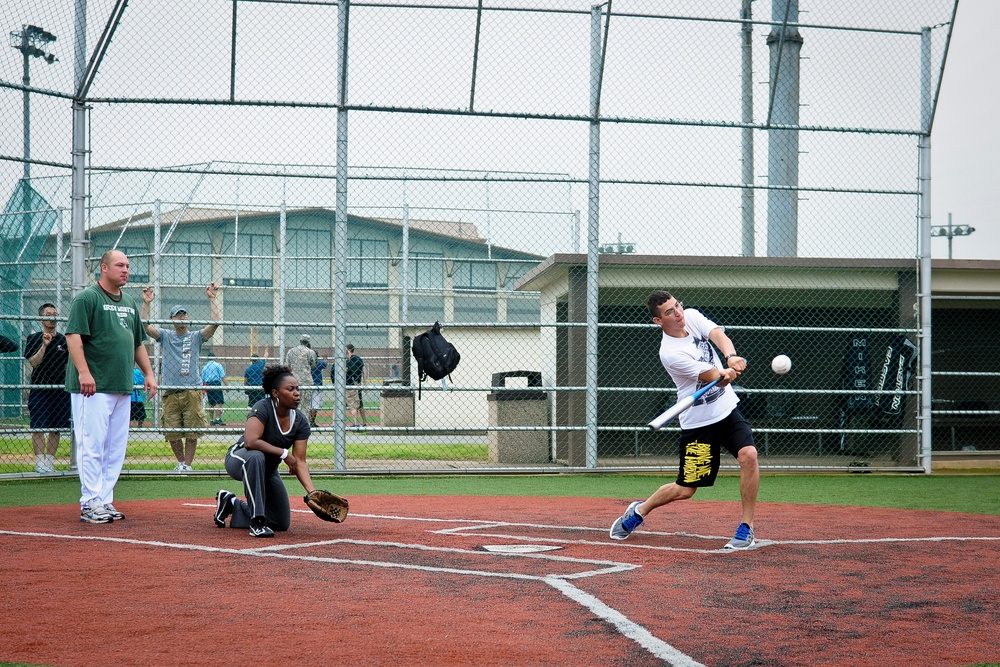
275	431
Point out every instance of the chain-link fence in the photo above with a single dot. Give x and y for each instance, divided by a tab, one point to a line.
525	174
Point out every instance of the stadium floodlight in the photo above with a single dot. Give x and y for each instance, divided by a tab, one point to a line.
32	42
950	231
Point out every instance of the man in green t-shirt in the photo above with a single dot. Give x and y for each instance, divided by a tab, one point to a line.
104	335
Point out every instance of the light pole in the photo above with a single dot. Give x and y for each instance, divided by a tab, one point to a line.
951	231
31	42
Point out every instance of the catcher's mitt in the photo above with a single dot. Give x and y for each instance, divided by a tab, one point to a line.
327	506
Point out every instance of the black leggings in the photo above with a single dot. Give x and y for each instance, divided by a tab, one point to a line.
266	494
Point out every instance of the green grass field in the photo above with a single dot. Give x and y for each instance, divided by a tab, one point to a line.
157	455
974	494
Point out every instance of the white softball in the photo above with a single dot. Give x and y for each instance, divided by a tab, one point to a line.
781	364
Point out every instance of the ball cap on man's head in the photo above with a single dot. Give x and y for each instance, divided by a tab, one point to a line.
176	310
305	338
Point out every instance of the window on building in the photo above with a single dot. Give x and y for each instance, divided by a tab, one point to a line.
524	308
425	308
368	265
138	264
426	270
249	264
367	308
475	309
475	275
514	272
315	271
187	263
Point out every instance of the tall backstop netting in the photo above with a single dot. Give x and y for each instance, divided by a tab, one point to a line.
524	173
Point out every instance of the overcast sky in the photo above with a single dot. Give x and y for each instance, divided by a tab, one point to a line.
965	144
966	138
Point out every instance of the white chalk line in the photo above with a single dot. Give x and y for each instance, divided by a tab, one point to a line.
476	526
278	552
637	633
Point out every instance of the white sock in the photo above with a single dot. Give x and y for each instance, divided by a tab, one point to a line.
40	460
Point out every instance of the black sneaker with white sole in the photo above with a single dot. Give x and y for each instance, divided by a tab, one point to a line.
260	529
223	506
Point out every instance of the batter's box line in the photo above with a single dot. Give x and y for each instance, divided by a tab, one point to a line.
478	525
271	552
475	531
614	545
612	566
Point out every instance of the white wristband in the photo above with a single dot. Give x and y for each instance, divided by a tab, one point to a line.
284	453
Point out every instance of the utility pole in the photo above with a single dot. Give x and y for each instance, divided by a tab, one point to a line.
32	42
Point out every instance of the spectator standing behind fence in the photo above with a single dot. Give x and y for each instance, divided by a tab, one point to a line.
47	354
138	399
317	397
355	398
104	335
302	359
183	412
214	375
253	378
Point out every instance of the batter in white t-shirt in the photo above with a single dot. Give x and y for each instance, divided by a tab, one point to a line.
689	357
688	352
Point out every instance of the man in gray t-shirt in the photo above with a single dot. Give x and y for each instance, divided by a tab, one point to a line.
183	412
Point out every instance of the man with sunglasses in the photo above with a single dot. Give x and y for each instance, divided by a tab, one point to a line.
688	353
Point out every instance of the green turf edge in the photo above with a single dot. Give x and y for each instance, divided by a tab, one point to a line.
972	494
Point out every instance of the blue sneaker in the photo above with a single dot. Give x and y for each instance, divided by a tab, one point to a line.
742	540
626	523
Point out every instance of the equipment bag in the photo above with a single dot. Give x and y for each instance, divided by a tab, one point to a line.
436	357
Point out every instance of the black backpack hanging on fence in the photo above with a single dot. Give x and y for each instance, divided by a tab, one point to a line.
435	356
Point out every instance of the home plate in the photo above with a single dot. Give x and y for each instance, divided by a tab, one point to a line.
519	548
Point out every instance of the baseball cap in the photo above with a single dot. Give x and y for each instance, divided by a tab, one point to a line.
177	309
305	338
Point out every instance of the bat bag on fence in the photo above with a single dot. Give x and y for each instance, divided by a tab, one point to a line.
897	368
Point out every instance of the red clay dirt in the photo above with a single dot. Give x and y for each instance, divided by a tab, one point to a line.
415	586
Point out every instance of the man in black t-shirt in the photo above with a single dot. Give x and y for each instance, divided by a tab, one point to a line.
49	408
355	378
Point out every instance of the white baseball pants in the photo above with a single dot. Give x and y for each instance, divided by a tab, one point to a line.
100	428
